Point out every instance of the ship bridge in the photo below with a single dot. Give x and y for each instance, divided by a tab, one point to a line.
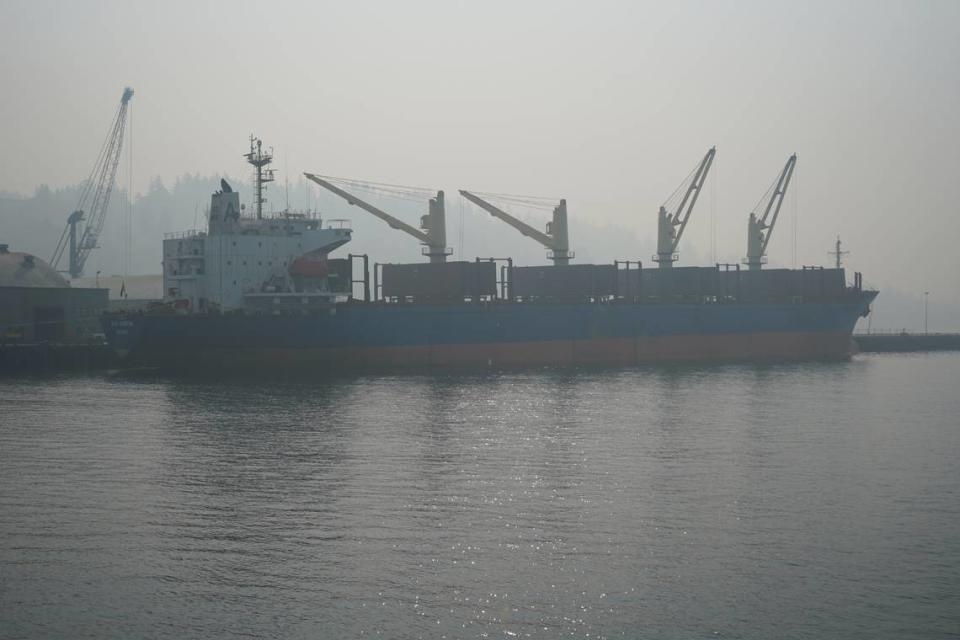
240	256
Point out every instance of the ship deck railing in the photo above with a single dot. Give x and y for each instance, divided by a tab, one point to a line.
179	235
904	332
650	301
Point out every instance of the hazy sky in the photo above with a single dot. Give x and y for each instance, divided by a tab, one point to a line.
609	104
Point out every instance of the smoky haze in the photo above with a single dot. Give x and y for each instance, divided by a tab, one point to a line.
607	104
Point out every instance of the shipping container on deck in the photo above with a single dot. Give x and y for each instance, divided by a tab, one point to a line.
340	277
767	285
817	283
439	282
677	285
682	284
564	282
628	281
782	285
729	282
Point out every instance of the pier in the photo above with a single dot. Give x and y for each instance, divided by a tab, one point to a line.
905	342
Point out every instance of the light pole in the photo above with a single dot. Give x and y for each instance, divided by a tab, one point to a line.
926	295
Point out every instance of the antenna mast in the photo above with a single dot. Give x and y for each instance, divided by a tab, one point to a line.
259	160
838	254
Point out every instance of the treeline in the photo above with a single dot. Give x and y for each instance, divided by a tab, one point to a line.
34	224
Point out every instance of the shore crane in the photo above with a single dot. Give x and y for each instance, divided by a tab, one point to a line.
433	226
670	224
759	229
556	237
94	198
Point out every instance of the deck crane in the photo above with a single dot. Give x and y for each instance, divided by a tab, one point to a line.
433	226
670	225
758	229
94	199
555	239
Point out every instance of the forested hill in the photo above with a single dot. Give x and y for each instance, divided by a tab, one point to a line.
34	224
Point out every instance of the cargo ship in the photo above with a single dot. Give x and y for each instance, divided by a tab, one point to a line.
254	291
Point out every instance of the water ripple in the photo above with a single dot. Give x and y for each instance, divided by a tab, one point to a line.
814	500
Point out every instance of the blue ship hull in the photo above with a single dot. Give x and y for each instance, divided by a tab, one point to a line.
385	336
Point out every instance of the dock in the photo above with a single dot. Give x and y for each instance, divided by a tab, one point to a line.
906	342
47	357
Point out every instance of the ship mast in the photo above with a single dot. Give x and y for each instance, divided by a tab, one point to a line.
259	160
838	254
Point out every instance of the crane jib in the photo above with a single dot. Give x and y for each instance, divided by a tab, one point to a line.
94	197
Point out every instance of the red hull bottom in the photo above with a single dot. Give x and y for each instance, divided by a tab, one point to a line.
595	352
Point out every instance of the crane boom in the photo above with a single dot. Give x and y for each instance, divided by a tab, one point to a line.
435	236
668	235
760	230
555	238
95	197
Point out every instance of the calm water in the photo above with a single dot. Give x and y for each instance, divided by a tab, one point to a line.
817	500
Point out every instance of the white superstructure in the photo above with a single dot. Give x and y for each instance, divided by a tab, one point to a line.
241	259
